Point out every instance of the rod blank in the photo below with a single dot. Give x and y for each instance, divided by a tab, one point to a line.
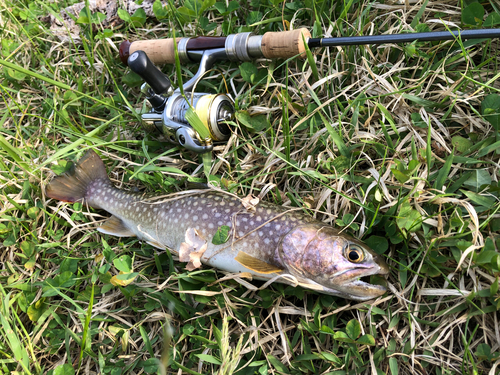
403	38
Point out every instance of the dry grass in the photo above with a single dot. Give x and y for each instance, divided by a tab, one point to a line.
331	148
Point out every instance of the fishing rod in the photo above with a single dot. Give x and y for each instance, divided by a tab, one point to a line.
168	114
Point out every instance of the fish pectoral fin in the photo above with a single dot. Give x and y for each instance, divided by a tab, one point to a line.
115	227
156	244
255	264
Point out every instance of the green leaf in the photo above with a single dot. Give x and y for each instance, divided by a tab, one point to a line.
132	79
209	358
492	20
443	173
417	120
28	248
251	74
98	17
330	357
139	17
68	265
478	178
326	329
485	257
490	108
483	352
494	287
186	12
479	199
388	117
150	366
205	5
108	253
310	60
71	98
378	244
339	142
221	236
257	123
254	17
353	329
313	174
340	164
123	14
307	357
277	364
217	335
123	263
461	144
233	5
33	212
342	336
408	218
473	14
83	17
393	366
65	369
15	75
36	310
419	101
418	16
493	147
159	10
248	71
400	176
206	25
221	7
366	340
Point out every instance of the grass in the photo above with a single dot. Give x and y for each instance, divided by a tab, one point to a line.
397	144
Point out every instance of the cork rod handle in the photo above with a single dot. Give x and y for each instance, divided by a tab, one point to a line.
285	44
274	45
159	51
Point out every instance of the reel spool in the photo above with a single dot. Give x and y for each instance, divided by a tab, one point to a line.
168	114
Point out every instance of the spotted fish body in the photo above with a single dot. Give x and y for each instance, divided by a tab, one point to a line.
267	241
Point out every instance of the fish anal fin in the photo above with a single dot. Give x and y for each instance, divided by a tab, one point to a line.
115	227
256	264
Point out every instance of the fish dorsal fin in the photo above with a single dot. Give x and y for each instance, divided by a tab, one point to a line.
256	264
115	227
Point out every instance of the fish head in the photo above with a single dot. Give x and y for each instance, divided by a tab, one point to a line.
324	259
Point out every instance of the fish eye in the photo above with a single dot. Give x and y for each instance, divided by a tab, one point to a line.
354	254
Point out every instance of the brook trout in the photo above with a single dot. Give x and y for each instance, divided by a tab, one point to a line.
268	241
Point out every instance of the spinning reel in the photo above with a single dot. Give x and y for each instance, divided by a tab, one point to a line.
169	107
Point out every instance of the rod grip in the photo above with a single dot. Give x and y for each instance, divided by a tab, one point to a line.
285	44
159	51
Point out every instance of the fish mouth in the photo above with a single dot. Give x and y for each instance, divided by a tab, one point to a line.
356	282
355	287
363	288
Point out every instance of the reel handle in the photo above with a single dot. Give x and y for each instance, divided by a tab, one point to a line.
271	45
139	63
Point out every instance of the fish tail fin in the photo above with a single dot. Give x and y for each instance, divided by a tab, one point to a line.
73	185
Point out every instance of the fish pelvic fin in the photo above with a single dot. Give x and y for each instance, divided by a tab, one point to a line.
72	185
156	244
255	264
116	227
